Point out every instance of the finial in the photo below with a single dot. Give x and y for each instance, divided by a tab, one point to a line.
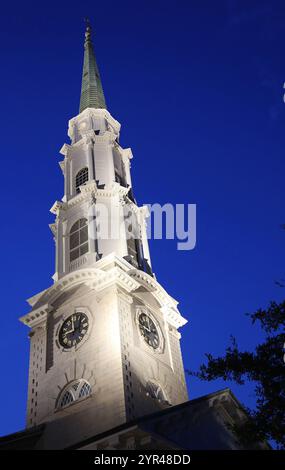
88	29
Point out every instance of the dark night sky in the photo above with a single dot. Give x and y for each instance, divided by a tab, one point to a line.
198	88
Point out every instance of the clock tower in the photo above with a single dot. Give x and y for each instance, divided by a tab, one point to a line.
104	340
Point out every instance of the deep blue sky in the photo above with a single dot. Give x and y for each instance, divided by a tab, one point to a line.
198	88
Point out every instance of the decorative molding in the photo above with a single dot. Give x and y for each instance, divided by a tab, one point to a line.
94	112
90	188
64	149
90	113
126	153
33	300
173	317
57	206
35	318
108	272
78	262
108	137
169	305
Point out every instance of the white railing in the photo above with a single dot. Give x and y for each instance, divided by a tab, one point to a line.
77	263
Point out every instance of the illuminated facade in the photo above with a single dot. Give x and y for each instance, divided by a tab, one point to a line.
106	370
105	346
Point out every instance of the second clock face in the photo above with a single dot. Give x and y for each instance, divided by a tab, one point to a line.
73	330
148	330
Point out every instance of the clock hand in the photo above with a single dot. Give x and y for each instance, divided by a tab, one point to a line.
147	319
144	326
72	324
147	329
70	330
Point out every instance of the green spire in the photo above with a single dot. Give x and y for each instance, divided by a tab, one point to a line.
92	95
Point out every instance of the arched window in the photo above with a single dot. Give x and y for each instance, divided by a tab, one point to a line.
81	178
78	239
73	392
155	391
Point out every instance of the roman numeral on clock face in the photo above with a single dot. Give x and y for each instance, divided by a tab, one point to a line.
73	330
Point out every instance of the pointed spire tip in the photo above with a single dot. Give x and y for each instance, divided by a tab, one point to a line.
92	95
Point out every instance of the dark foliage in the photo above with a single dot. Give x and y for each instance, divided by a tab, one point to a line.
265	367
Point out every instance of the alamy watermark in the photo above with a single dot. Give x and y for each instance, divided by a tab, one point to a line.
168	221
173	222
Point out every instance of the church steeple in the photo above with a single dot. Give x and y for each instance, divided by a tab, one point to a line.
92	95
104	345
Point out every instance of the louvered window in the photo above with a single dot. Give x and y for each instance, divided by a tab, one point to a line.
81	178
78	239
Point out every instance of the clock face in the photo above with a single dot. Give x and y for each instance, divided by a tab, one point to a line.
148	330
73	330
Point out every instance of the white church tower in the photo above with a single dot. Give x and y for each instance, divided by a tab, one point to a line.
104	340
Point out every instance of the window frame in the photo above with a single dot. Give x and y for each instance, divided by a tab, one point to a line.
154	389
75	393
83	176
78	246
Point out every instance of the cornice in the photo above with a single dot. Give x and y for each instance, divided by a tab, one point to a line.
173	317
92	112
125	153
114	190
33	300
108	272
169	305
34	318
91	188
64	149
89	138
57	206
114	276
93	278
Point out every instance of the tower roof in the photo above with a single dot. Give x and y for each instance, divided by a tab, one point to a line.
92	95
